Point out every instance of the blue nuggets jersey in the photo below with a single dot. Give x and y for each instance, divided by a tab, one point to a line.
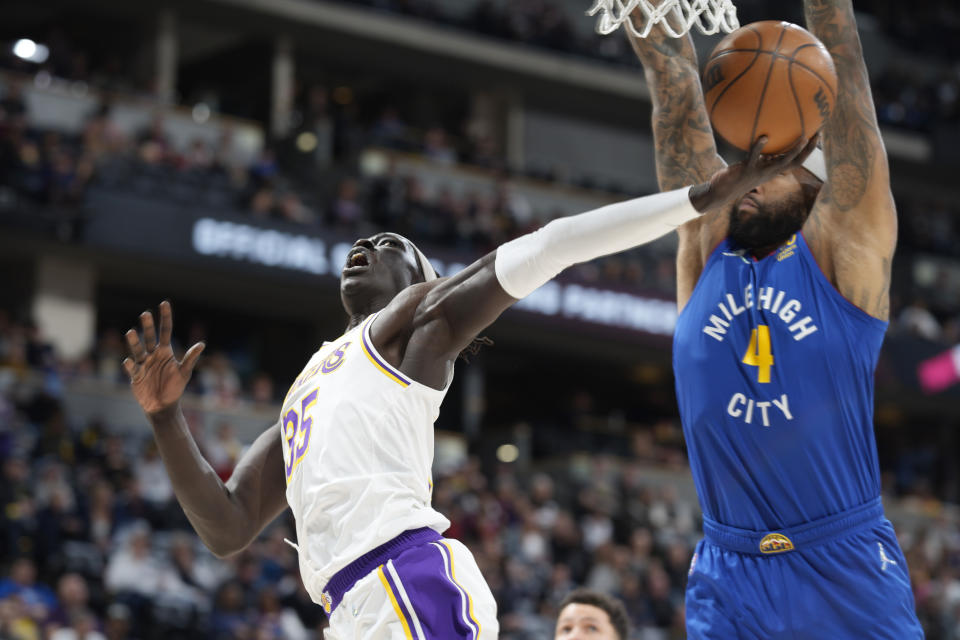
774	375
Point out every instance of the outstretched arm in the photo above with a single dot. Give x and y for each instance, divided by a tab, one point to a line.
853	227
456	309
227	516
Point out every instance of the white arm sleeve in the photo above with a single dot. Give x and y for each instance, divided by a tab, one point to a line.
530	261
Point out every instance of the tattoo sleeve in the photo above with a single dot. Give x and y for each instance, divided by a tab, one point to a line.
851	137
853	225
686	152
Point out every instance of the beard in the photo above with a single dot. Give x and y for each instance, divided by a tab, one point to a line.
770	225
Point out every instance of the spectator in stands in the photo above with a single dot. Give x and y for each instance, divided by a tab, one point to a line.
198	156
82	627
12	104
152	478
118	625
15	621
73	597
591	614
224	450
108	354
917	320
101	137
219	381
264	169
346	211
436	147
153	145
229	620
389	130
37	599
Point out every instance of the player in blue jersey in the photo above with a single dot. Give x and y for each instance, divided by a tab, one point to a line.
784	301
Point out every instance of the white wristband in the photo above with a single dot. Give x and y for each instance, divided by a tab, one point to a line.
530	261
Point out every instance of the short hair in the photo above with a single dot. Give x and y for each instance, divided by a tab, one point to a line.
612	606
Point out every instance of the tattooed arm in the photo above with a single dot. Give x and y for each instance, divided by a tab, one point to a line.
852	229
686	151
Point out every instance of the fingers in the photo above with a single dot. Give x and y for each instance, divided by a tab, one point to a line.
136	347
166	322
130	367
756	150
149	333
191	357
797	153
807	149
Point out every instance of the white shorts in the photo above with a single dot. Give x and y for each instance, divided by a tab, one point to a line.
433	591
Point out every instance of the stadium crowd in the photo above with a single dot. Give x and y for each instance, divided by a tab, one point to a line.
94	545
48	169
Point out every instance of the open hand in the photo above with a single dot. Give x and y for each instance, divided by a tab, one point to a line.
156	377
736	180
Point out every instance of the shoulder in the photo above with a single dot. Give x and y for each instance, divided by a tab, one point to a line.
404	312
698	240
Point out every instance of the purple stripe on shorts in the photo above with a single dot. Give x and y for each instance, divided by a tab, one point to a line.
404	611
438	603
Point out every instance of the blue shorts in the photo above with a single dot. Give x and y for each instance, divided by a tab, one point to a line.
839	578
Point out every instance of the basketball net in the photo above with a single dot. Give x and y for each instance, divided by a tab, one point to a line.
710	16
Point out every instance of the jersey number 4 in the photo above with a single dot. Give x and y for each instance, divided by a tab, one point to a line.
758	353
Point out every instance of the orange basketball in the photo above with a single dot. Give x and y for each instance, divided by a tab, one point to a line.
769	78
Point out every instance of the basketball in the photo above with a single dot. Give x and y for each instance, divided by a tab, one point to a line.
769	78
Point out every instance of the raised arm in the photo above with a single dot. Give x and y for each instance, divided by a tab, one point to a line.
226	516
853	226
686	151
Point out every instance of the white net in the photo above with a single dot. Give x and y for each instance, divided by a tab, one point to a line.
676	17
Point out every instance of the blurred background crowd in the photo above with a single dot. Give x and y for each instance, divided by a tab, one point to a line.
96	546
595	490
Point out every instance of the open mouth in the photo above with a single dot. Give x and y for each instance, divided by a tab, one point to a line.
357	258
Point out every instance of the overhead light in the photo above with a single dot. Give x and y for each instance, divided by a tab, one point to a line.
28	50
201	113
306	142
508	453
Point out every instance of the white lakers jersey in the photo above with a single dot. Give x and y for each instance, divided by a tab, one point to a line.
358	448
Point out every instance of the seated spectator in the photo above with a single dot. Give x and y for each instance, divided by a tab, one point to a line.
152	477
591	614
436	146
229	619
132	570
73	597
917	320
224	450
101	137
389	130
153	145
346	210
198	156
83	626
16	622
219	380
37	599
264	169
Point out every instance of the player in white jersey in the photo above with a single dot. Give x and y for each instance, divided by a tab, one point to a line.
352	451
